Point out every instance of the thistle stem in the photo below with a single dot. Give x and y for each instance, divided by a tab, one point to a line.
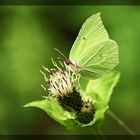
121	123
100	134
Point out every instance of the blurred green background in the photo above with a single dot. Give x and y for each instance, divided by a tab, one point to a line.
28	35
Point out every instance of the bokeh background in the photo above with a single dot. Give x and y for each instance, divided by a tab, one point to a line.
28	35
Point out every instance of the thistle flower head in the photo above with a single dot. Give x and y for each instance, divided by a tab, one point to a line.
63	84
87	107
86	113
60	82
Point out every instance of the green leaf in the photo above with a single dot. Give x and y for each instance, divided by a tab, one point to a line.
55	111
99	91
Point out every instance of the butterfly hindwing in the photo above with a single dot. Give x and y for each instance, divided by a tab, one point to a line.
103	58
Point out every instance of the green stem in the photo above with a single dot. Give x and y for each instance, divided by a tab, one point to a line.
121	123
99	134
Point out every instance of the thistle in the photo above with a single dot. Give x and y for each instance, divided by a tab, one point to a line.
63	84
73	109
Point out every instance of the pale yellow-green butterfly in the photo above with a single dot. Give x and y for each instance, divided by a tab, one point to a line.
93	54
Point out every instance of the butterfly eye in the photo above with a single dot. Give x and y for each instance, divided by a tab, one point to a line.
68	62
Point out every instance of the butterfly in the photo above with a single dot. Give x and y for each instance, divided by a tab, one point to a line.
93	54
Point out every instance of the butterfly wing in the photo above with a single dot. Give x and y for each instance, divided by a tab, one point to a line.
99	59
92	46
92	32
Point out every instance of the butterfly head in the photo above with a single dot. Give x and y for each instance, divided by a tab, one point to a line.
73	66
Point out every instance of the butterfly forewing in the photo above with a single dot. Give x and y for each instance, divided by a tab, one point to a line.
91	33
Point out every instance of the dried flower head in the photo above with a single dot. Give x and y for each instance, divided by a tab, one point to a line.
63	84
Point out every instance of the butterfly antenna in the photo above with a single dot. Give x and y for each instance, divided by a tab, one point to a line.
60	53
